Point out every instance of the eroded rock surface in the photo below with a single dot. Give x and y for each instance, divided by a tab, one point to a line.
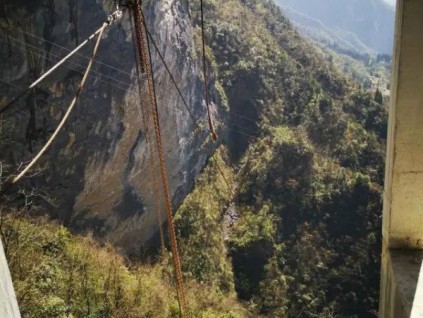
97	171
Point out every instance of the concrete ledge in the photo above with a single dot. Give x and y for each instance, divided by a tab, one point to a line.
402	284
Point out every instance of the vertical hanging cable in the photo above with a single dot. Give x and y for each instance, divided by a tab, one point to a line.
212	131
146	122
163	171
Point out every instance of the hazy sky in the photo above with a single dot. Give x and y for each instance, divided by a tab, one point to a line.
391	2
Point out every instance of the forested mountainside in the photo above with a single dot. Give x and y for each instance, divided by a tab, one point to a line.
371	72
364	26
305	240
342	28
298	233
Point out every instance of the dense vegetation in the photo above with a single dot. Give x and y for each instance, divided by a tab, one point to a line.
300	235
308	152
369	72
58	275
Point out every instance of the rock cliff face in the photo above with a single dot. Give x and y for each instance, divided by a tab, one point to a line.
98	172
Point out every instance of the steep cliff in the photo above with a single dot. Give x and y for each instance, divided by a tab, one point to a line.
97	174
297	235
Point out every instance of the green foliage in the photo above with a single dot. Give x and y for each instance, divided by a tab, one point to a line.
278	165
198	221
56	274
378	97
222	95
368	111
273	291
253	229
309	186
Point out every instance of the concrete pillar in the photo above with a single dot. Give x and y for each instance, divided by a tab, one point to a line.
401	293
403	200
8	304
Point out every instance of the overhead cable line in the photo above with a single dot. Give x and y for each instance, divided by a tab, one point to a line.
244	128
42	51
240	132
197	123
20	87
172	78
119	84
124	89
242	116
117	14
64	48
214	135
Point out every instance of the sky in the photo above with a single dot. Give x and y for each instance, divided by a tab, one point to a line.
391	2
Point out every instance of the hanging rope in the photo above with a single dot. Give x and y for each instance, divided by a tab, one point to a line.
183	99
172	78
114	16
144	51
146	122
9	183
212	131
65	117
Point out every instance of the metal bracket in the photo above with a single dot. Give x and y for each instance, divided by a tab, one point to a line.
114	16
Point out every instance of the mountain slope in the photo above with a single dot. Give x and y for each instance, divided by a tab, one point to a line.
363	25
307	148
303	150
59	275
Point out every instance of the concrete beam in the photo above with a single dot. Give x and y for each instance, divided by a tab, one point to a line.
401	293
403	196
8	304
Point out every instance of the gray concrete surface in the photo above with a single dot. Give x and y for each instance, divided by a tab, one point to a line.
8	304
403	194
